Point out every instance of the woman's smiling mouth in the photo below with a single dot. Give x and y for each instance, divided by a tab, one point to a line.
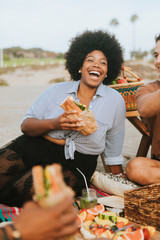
95	74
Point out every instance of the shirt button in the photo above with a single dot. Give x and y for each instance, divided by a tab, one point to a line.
91	106
94	97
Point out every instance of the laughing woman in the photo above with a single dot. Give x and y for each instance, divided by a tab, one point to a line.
93	60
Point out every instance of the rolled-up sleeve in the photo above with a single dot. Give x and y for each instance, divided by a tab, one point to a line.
115	137
38	108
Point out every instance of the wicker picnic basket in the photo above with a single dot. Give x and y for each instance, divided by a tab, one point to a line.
128	90
142	205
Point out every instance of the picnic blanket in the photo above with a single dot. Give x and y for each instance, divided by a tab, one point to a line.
7	214
99	193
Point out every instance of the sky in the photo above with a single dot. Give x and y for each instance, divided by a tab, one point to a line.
51	24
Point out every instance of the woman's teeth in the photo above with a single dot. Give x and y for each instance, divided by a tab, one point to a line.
94	73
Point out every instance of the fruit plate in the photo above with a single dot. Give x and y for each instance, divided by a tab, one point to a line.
100	223
78	236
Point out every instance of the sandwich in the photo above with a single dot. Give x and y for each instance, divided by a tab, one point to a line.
49	185
89	124
71	104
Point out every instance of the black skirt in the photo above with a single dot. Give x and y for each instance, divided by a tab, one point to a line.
33	151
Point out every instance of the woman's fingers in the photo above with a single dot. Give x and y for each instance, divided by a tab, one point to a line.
70	121
69	223
68	230
62	206
74	127
69	216
71	112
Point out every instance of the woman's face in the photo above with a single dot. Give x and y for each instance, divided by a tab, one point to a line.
94	69
157	57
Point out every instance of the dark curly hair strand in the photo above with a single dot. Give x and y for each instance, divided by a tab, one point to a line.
89	41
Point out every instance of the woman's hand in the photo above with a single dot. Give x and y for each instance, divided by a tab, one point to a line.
116	169
37	127
36	223
68	121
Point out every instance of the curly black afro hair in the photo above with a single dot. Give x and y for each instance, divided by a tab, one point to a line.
89	41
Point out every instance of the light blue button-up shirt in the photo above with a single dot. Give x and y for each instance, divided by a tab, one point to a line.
108	108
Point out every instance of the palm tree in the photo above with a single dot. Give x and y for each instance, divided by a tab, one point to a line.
114	23
133	20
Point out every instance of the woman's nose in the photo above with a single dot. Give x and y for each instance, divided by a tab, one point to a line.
96	64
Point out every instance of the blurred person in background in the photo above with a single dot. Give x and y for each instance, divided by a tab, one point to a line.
147	170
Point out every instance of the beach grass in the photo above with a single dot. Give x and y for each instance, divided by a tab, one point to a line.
17	62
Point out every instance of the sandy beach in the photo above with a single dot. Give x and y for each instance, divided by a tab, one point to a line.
24	87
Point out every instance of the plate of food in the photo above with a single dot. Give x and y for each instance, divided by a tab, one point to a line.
98	223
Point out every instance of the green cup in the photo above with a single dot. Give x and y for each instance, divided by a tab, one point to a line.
88	198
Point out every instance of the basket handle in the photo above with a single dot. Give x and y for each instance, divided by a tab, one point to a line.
126	69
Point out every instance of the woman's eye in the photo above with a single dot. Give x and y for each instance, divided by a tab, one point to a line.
104	63
155	55
90	60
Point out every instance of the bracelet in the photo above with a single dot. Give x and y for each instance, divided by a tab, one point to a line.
15	234
5	233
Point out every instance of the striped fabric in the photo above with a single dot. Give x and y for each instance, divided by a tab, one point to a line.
99	193
7	214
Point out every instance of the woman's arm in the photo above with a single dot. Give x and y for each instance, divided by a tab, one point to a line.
36	127
45	115
116	169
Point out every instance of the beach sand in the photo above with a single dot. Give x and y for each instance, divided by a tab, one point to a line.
24	87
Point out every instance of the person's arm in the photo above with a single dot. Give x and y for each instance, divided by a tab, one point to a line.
36	127
36	223
116	169
46	115
148	101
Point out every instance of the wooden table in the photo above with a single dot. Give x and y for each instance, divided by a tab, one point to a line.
134	118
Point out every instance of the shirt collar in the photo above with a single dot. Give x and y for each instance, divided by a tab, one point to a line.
100	90
74	87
